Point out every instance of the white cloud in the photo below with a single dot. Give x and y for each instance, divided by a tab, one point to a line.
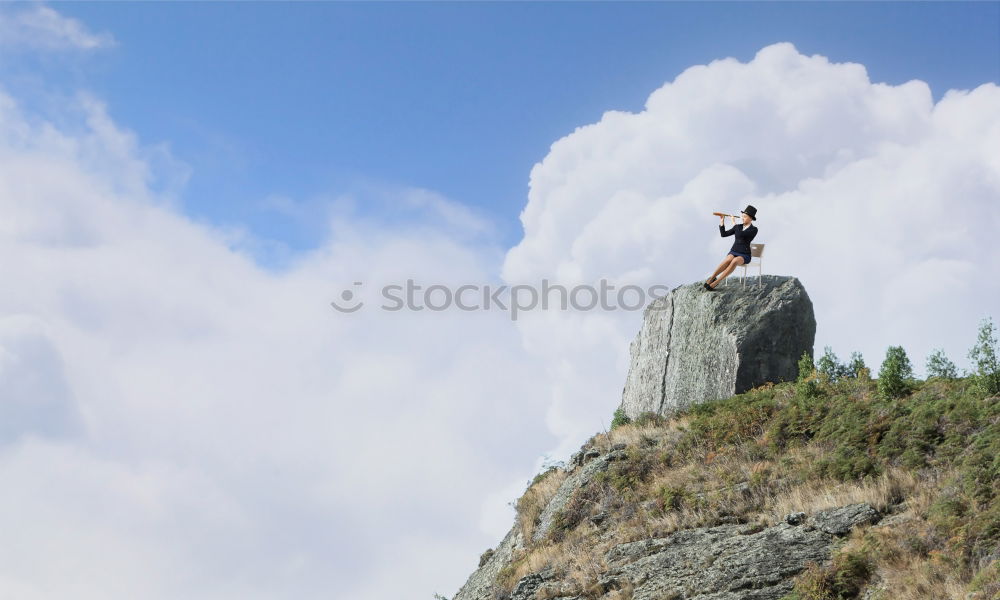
40	28
182	422
36	397
883	203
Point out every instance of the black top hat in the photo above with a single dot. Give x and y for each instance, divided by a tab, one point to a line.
750	210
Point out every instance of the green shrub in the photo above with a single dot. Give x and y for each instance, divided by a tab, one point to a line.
729	421
620	418
673	497
895	375
987	580
808	384
829	366
806	366
843	578
984	358
857	363
938	365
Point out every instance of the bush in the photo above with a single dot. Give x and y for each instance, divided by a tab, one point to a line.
938	365
620	418
857	363
808	384
806	366
830	366
843	578
895	375
650	419
984	357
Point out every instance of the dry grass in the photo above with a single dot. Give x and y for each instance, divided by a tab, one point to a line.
625	593
641	435
583	560
905	568
578	561
531	504
907	565
884	492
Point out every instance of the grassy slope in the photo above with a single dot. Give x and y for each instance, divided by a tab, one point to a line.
932	457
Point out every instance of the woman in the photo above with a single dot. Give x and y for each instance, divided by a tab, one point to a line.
740	252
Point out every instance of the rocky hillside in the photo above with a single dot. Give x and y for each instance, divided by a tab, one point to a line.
807	489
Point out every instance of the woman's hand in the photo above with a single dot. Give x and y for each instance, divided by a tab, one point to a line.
722	220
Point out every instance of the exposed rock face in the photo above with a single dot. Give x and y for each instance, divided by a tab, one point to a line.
729	562
481	585
697	345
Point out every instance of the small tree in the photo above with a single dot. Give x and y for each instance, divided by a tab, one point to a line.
857	363
806	366
896	371
984	358
938	365
807	385
830	366
827	364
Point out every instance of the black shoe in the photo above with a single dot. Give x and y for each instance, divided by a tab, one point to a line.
707	287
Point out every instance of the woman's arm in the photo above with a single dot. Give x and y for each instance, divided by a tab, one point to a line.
722	230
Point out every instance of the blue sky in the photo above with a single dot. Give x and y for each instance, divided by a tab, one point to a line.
305	100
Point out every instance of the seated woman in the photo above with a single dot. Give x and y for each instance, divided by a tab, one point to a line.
740	252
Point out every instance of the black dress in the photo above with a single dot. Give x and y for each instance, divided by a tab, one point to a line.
743	238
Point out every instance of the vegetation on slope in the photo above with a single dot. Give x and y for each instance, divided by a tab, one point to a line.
926	451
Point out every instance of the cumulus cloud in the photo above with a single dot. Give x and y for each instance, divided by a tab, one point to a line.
36	397
882	202
179	421
40	28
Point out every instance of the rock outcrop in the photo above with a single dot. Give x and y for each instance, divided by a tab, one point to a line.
729	562
697	345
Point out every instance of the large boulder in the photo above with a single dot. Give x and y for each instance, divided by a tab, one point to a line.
697	345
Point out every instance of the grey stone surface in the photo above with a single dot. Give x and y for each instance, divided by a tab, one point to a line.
577	478
795	518
481	585
695	345
725	562
840	521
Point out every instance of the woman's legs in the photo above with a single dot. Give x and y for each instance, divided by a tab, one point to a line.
732	264
722	267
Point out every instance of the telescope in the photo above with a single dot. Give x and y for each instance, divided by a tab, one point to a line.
722	214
